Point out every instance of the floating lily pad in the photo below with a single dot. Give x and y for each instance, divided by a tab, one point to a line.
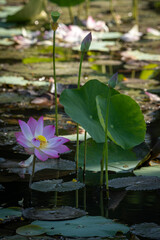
97	46
118	160
12	80
9	10
80	105
149	71
30	230
6	42
146	230
10	32
8	214
62	213
56	185
148	171
15	237
137	55
136	183
107	35
86	226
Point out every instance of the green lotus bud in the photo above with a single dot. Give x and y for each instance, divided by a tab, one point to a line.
86	43
55	16
113	81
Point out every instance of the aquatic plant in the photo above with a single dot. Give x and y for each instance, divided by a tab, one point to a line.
54	25
39	140
84	48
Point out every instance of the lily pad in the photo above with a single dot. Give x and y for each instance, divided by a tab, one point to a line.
146	230
30	230
118	158
29	12
107	35
87	226
13	80
136	183
126	125
148	171
97	46
80	105
10	32
137	55
62	213
6	42
149	71
56	185
8	214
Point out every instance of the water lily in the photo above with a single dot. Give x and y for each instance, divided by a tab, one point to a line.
39	140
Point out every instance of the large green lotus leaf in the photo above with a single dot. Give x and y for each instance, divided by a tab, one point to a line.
56	185
8	214
148	171
126	125
9	10
62	213
30	230
141	56
119	159
68	3
30	11
107	35
87	226
97	46
80	105
146	230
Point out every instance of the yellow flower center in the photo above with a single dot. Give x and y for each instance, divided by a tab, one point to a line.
43	141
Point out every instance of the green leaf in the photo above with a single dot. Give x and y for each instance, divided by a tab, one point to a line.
149	71
146	230
126	125
87	226
80	105
30	230
68	3
30	11
118	158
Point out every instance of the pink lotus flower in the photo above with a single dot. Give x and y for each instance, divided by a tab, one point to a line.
40	140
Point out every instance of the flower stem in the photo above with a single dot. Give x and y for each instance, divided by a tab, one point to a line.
106	143
102	168
55	83
70	14
33	170
135	10
85	155
77	146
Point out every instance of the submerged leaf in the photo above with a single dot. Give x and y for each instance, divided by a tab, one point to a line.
146	230
56	185
30	230
61	213
86	226
136	183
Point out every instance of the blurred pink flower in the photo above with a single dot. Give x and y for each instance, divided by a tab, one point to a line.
40	140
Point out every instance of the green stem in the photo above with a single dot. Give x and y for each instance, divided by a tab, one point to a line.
76	198
55	83
102	168
70	14
111	6
87	7
106	143
77	146
85	155
85	198
33	170
135	10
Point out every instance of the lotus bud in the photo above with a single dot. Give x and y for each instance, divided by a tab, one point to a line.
86	43
55	16
113	81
